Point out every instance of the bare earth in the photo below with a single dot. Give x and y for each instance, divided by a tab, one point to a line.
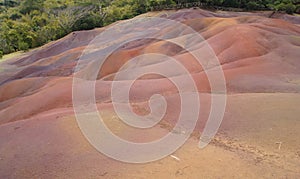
258	138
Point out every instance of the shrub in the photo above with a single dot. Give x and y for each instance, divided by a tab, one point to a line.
88	22
253	6
286	6
297	9
290	8
23	46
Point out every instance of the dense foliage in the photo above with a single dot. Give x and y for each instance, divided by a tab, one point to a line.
27	24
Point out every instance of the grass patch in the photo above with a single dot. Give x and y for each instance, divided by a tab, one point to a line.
11	55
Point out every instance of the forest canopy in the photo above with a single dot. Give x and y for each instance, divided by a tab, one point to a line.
26	24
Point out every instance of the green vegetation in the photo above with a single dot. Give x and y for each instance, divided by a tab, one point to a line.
26	24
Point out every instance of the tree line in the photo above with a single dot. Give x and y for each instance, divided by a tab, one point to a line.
26	24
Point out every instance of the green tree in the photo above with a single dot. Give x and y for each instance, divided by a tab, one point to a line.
253	5
23	46
29	5
290	8
1	53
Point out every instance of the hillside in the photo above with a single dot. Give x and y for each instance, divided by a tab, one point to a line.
259	56
29	24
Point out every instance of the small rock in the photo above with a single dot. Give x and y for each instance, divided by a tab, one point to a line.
174	157
279	145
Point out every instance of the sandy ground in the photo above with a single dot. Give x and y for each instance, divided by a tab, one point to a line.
258	138
51	145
